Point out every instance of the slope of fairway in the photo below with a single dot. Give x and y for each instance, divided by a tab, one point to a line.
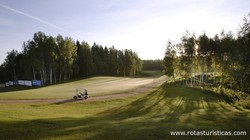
96	86
145	116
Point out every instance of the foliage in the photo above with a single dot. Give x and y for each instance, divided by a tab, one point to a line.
223	56
152	65
168	61
56	59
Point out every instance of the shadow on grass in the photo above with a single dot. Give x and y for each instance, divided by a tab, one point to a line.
15	88
66	101
20	88
165	109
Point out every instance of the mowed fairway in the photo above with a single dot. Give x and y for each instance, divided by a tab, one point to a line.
152	115
96	86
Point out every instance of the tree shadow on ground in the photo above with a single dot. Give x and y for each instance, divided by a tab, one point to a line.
66	101
151	117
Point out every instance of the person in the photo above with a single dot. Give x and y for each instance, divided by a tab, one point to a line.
86	92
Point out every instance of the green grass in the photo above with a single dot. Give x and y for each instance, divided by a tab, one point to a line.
146	116
96	86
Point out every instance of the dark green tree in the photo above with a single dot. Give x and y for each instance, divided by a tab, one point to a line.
169	58
11	61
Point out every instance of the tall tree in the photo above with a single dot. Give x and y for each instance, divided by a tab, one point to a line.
80	59
11	60
169	58
187	57
68	56
244	55
204	55
113	61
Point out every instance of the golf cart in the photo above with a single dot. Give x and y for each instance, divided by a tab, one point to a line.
81	94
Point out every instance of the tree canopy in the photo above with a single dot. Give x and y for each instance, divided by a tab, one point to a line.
55	59
224	57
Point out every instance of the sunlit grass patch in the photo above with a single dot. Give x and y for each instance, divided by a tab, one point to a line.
96	86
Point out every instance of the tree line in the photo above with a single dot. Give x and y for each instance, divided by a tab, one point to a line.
152	65
222	61
55	59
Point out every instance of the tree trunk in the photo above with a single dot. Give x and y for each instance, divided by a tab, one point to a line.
44	77
60	76
51	75
55	76
202	78
191	76
34	74
15	77
214	72
42	80
191	80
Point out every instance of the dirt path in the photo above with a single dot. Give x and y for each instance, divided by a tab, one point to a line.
138	90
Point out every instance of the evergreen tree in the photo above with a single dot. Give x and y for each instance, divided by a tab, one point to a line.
169	58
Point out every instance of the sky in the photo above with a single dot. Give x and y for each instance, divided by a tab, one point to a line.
145	26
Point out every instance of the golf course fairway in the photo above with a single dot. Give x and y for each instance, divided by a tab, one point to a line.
154	114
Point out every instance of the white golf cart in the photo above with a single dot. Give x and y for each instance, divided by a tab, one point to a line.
81	93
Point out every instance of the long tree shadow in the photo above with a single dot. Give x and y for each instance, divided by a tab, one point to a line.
151	117
183	108
66	101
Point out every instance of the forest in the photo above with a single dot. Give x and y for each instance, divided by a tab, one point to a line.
222	61
152	65
56	59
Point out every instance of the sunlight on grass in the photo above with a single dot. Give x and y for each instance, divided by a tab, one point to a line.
96	86
145	116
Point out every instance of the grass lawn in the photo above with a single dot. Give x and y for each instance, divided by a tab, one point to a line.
145	116
96	86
